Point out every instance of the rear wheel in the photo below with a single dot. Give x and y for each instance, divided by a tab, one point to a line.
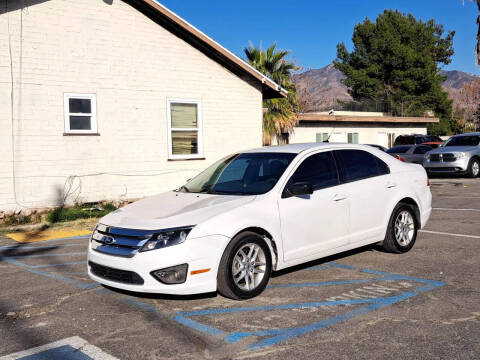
245	267
402	229
473	168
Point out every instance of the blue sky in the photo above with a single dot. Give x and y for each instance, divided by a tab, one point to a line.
311	29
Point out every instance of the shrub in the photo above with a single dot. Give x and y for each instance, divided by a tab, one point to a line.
84	211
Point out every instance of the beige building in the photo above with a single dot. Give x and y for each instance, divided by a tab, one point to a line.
103	99
356	127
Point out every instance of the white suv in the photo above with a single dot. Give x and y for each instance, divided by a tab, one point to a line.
259	211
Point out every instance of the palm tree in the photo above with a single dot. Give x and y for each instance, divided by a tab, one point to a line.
280	117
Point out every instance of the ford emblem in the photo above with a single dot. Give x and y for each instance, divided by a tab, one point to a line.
108	240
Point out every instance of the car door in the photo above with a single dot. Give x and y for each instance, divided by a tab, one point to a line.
314	223
368	186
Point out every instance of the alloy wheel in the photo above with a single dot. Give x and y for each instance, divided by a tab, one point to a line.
404	228
248	266
475	168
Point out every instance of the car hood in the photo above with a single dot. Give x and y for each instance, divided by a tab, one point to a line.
450	149
173	209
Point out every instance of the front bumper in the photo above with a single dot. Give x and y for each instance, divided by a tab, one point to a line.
457	166
199	253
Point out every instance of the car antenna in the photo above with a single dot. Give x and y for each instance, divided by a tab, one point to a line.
331	112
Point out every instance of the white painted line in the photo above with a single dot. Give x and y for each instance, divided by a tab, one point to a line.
75	342
444	233
447	209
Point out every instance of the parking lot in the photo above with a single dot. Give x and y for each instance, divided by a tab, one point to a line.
364	304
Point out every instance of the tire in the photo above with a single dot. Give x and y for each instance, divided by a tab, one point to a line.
230	282
473	169
401	244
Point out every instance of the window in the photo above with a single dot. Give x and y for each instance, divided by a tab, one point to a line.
185	129
398	150
422	149
383	168
463	140
80	113
357	164
244	174
322	137
319	170
353	138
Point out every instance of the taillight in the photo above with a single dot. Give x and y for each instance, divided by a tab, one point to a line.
398	157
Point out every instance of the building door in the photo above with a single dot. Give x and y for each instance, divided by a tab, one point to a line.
337	137
383	139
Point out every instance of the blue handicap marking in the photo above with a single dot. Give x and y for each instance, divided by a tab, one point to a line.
59	353
270	337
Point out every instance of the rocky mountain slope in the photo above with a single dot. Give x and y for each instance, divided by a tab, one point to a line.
326	88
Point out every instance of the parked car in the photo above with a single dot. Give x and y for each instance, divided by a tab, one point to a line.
460	154
434	144
410	153
379	147
415	139
260	211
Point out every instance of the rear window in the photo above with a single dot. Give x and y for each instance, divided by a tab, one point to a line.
398	150
405	140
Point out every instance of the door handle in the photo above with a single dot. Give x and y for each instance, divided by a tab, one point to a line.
339	197
391	185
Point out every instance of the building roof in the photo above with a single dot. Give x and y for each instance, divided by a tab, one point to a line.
319	117
181	28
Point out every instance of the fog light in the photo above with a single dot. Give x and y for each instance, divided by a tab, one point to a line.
172	275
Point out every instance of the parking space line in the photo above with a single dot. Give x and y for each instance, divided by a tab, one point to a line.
324	283
47	255
450	234
59	264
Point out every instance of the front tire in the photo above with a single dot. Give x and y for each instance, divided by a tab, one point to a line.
245	267
402	229
473	168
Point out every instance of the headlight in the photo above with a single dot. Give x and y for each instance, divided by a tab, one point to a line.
96	235
461	155
427	157
166	238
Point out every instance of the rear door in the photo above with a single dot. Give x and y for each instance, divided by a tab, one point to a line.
314	223
368	186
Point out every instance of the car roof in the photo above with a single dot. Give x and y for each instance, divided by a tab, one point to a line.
298	148
469	134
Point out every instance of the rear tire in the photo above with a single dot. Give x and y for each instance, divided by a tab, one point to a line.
402	229
473	168
245	267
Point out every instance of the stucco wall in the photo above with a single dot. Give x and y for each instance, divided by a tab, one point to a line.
133	65
368	133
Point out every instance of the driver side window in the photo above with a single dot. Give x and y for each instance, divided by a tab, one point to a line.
319	170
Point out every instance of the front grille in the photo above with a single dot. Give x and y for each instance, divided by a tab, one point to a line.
116	275
121	242
444	157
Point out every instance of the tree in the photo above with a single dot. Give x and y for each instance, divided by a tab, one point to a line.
395	62
477	49
470	96
280	116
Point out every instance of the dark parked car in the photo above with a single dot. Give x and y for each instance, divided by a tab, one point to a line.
410	153
415	139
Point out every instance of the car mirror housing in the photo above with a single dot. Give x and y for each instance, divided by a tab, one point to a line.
299	189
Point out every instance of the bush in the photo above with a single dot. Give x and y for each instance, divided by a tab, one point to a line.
84	211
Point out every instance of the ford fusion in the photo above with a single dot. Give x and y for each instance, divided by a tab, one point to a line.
260	211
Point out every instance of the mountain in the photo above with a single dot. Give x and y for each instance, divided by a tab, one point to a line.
325	87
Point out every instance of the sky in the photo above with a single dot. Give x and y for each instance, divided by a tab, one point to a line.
311	29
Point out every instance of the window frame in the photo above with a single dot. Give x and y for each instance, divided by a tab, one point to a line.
93	114
305	158
342	170
198	129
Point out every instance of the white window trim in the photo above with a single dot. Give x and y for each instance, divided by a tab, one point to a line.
67	113
199	129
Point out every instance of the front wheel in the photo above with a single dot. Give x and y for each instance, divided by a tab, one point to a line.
245	267
402	229
473	168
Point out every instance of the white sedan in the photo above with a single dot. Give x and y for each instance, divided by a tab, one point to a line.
260	211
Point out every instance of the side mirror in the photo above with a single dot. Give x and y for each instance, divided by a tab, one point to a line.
299	189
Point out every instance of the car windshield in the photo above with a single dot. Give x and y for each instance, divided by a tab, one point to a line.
405	140
463	141
241	174
398	150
